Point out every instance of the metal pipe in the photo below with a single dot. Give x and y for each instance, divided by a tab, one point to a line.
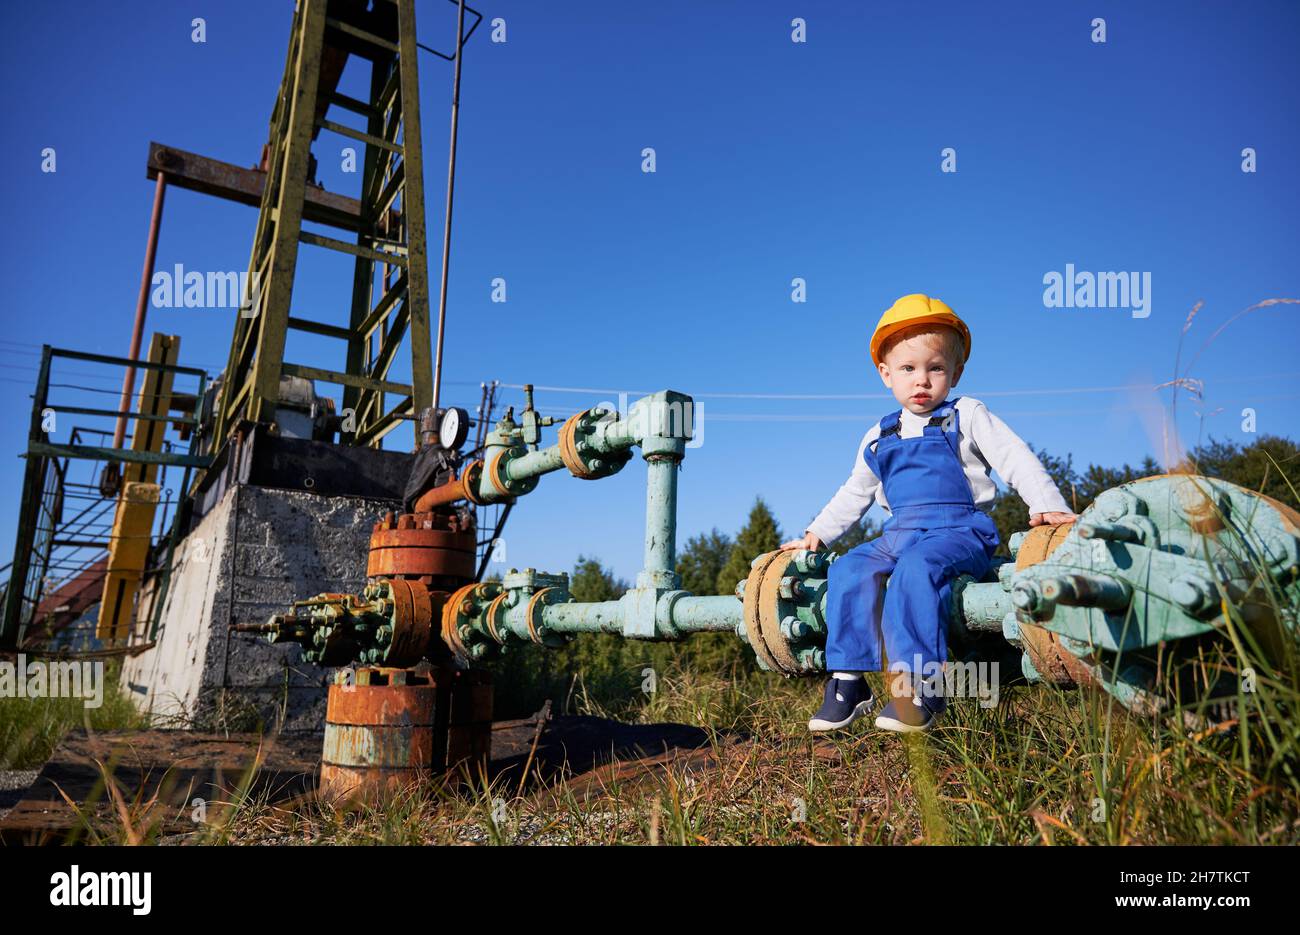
449	492
983	607
690	614
535	463
451	189
141	306
661	513
598	617
709	612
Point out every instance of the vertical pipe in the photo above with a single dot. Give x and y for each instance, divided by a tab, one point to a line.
451	187
661	513
141	305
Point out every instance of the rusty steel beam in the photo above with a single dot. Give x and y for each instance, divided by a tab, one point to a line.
141	305
235	183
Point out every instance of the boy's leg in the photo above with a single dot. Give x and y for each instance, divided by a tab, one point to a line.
855	592
917	603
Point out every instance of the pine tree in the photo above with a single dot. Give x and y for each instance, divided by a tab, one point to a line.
702	560
855	535
591	582
760	535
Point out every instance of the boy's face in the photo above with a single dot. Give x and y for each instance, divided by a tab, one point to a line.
919	374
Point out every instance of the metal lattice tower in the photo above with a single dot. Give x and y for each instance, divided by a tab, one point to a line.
390	294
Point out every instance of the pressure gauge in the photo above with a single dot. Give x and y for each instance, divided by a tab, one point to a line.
454	428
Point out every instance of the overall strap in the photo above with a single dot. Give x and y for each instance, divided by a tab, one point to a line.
946	421
891	424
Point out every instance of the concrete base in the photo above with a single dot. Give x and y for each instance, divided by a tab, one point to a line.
255	551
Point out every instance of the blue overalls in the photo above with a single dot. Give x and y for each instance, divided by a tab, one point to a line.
934	534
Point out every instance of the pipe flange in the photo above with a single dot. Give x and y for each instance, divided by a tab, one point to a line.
413	615
494	617
451	621
610	463
455	615
470	479
772	609
501	481
533	613
1043	647
752	610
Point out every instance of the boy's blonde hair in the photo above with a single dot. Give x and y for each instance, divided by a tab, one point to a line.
935	336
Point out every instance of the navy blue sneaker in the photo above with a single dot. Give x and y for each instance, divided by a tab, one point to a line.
846	701
905	716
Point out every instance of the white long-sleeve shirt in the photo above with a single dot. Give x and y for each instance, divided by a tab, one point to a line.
986	444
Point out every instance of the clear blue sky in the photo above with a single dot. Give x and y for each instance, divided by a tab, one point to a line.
775	160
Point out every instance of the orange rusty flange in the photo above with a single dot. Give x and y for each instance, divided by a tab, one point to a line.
451	611
1055	662
752	610
492	616
569	448
471	477
413	546
533	613
501	484
413	615
769	613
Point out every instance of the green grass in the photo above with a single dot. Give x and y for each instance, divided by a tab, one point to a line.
1045	766
30	728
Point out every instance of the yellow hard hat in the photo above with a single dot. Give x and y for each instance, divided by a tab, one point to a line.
916	309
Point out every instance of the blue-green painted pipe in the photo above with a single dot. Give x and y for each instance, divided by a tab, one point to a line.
661	513
707	613
597	617
535	463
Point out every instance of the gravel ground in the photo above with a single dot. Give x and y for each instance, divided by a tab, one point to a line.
13	784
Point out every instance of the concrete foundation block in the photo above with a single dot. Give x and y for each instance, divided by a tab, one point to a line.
255	552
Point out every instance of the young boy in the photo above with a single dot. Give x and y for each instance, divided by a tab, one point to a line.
928	465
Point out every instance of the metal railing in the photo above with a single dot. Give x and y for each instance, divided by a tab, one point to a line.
65	514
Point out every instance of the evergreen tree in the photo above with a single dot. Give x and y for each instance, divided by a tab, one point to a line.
591	582
855	535
702	560
760	535
1267	465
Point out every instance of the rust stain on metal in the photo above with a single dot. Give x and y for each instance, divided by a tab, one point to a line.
1056	663
753	610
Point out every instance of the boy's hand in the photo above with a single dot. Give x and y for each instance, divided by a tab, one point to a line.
1054	519
809	541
